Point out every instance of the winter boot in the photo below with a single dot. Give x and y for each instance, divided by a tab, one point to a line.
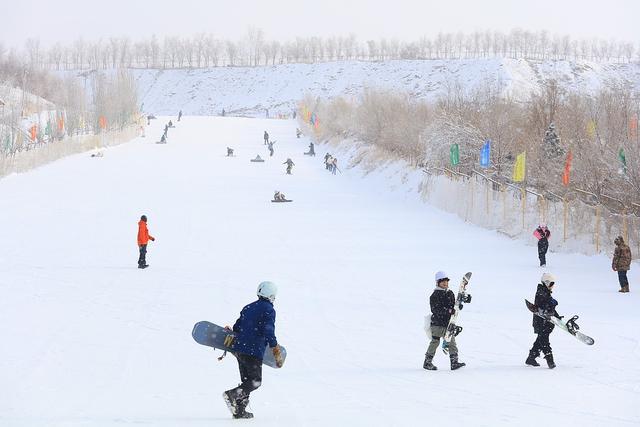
625	289
230	399
550	361
531	360
454	362
242	409
427	363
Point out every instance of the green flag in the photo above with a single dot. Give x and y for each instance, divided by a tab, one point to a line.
623	160
454	155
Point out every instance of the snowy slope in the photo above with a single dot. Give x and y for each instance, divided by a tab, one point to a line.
90	340
248	91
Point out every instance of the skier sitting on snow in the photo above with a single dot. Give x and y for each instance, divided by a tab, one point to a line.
547	305
253	331
312	151
279	196
442	302
229	152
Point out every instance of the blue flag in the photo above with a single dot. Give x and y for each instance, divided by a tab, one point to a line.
485	154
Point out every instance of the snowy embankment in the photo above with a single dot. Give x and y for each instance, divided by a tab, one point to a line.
90	340
250	91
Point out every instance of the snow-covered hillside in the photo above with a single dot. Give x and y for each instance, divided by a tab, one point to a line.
90	340
250	91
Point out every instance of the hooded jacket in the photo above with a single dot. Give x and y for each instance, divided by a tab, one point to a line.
442	302
255	329
621	256
143	233
548	304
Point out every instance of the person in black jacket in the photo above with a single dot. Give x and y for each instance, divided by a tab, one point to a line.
442	302
542	233
546	304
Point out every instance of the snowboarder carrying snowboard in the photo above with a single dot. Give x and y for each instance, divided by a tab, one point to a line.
442	302
143	239
622	263
253	331
547	305
542	233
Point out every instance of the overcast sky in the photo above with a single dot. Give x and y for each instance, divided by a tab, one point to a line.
66	20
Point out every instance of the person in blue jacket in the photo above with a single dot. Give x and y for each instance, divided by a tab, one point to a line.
253	331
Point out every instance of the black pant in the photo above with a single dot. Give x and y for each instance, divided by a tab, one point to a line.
543	246
622	278
142	260
250	376
542	344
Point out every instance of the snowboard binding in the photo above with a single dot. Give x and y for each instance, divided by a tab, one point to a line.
572	326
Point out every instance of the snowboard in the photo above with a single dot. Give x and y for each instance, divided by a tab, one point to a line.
452	328
282	201
257	160
212	335
569	326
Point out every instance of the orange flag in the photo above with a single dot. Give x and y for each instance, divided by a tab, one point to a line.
567	169
34	132
633	127
103	122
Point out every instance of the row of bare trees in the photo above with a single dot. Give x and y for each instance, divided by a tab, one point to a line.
254	49
593	128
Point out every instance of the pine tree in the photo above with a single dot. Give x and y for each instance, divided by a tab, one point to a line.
551	143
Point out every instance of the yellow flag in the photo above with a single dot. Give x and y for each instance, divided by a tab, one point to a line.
591	128
519	168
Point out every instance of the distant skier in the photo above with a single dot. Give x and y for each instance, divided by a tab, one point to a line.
298	133
547	305
266	137
171	124
542	233
327	161
442	303
290	165
270	146
622	263
223	112
312	151
253	331
143	239
278	196
163	139
179	115
229	152
334	165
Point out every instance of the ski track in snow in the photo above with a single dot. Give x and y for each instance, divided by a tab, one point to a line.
90	340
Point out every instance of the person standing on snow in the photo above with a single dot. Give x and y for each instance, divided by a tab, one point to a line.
622	263
270	146
253	331
547	305
266	137
179	115
542	233
442	302
143	239
290	165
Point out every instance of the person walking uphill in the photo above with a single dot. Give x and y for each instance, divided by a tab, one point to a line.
621	263
253	331
542	233
442	302
143	239
547	304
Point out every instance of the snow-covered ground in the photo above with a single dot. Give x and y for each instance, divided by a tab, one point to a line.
87	339
250	91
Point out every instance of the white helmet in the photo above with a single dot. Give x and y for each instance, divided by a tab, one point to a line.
547	279
268	290
441	275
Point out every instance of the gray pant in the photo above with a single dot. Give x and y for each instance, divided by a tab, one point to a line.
438	332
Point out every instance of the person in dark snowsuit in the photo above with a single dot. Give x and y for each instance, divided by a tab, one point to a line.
179	115
542	233
547	305
270	146
290	165
312	151
266	137
621	263
442	303
254	330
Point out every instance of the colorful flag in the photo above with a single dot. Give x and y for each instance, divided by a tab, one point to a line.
567	169
623	160
485	154
519	168
454	154
33	132
633	127
103	122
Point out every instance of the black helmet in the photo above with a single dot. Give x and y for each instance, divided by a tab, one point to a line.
143	218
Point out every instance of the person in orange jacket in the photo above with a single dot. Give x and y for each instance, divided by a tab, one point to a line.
143	239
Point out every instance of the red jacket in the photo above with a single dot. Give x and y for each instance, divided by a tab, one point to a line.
143	233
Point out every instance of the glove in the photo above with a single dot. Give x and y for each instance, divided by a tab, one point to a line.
153	239
228	328
467	299
452	311
278	356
